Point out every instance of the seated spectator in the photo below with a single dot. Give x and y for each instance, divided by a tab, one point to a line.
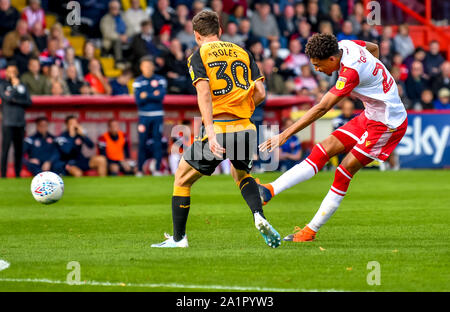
300	11
434	59
133	18
39	36
197	7
34	14
246	33
237	14
306	80
42	151
403	43
119	86
303	33
36	83
313	15
263	23
12	39
182	13
88	55
23	54
70	144
336	19
231	35
358	19
443	79
186	36
217	6
98	82
325	27
274	81
71	60
114	145
163	42
74	83
397	62
443	100
178	79
114	30
163	15
368	33
418	55
385	54
416	82
290	151
143	44
426	100
296	59
286	22
8	18
58	85
51	55
257	49
57	33
347	32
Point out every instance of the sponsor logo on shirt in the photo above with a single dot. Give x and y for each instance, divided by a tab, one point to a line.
340	83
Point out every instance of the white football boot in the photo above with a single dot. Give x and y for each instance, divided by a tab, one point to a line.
170	243
270	235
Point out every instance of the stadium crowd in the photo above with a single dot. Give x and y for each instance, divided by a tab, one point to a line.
275	32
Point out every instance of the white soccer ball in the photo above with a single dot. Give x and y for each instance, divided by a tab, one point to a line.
47	187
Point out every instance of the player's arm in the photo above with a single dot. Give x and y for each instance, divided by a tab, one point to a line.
314	113
373	49
259	94
205	106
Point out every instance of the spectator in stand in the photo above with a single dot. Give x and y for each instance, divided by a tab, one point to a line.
23	54
231	35
245	31
313	15
443	79
58	85
228	5
443	100
36	83
119	85
358	18
70	144
50	55
114	145
274	82
56	32
182	12
143	44
303	33
163	15
386	34
133	18
296	59
419	55
178	79
88	55
34	14
8	18
257	49
306	80
416	82
403	43
300	11
404	98
149	92
397	61
434	59
337	19
347	32
12	39
98	82
368	33
217	6
70	59
263	23
325	27
426	100
114	32
286	22
39	36
42	150
74	83
385	54
279	65
197	6
237	14
15	99
290	151
186	36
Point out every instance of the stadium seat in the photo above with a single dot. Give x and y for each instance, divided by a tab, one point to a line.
109	67
67	30
19	4
126	4
50	20
77	43
130	86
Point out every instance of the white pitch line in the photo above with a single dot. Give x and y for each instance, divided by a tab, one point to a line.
166	285
3	265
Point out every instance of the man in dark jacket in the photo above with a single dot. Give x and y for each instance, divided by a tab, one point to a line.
42	151
143	44
15	99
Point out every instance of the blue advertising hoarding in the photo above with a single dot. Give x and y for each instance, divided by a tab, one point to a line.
426	143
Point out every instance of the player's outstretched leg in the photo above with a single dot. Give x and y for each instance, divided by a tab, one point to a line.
343	175
303	171
249	190
181	201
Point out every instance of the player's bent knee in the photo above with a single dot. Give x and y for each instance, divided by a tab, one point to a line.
333	146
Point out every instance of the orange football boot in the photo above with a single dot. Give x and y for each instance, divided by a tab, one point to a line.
301	235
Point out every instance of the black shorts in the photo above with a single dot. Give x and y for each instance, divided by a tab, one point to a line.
82	163
240	147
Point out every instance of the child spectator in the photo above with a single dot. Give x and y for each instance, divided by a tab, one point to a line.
426	100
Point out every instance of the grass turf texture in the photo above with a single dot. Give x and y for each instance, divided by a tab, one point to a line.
400	219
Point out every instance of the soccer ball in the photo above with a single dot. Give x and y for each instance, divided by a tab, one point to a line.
47	187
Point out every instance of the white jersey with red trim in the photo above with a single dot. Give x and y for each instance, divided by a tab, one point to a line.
365	77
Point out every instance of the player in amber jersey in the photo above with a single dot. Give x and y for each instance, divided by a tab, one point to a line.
229	86
372	135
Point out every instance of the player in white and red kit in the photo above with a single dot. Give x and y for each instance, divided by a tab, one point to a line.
372	135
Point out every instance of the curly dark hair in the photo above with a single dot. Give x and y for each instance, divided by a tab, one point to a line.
322	46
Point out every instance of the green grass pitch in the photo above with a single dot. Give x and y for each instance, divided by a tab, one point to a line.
399	219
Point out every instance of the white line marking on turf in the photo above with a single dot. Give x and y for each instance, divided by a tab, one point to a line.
3	265
166	285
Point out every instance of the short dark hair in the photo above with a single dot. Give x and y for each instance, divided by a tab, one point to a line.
206	23
69	118
322	46
146	58
41	119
